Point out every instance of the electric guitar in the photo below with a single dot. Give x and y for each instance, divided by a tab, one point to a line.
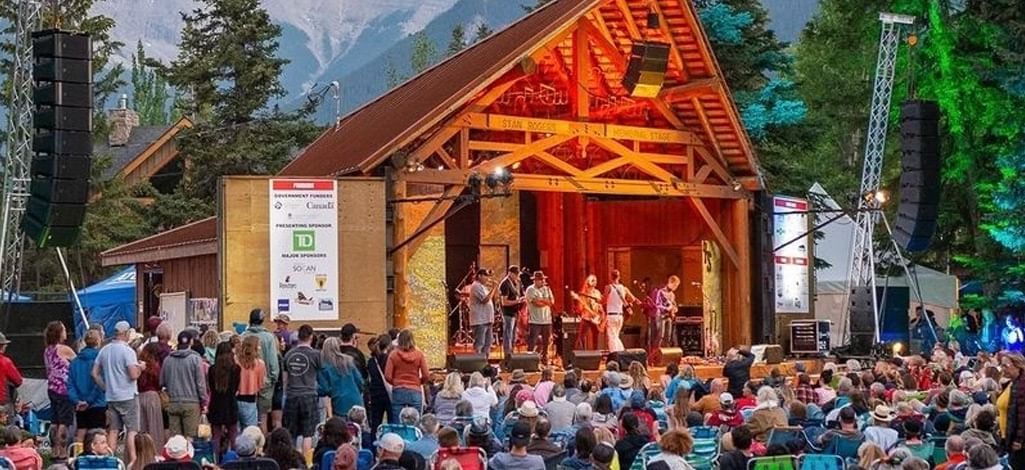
594	315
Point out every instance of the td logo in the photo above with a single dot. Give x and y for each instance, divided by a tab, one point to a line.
303	240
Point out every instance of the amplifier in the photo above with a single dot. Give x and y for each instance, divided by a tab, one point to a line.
809	336
585	360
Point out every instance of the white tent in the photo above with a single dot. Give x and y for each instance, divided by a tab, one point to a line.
939	290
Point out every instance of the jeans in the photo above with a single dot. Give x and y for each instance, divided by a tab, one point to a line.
247	414
508	334
545	332
481	340
401	398
668	327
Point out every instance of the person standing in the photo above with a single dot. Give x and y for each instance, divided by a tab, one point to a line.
378	392
269	351
286	338
302	364
666	307
1014	438
58	356
253	375
116	371
349	337
540	301
592	315
482	311
407	372
618	300
339	379
10	377
738	369
151	408
224	377
182	376
512	301
88	399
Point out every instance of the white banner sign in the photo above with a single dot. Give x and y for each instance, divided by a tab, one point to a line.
792	261
304	249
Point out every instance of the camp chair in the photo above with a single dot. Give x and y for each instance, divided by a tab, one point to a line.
469	458
96	462
259	463
783	435
327	460
923	451
747	413
364	459
75	449
406	432
845	447
704	432
551	463
649	450
939	449
820	462
812	434
779	462
705	454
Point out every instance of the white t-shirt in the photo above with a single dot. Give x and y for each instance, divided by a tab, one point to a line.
614	300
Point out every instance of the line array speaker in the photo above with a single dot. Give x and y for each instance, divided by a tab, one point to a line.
646	71
862	320
920	176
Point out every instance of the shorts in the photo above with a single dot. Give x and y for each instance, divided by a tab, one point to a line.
263	400
61	407
92	418
124	414
278	399
301	415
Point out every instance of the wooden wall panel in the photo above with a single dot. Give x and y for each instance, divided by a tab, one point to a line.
245	256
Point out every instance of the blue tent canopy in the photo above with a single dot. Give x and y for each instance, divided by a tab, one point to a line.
108	301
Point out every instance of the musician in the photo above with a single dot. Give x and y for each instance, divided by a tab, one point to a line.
512	302
618	301
592	314
483	292
540	301
1013	337
665	308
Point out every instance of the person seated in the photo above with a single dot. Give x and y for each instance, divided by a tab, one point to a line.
737	458
880	432
584	443
605	413
637	406
358	417
560	410
635	436
427	445
517	457
334	434
675	445
389	450
464	416
448	437
905	413
747	398
541	445
602	456
23	457
617	389
767	414
178	449
848	429
726	417
955	453
983	426
479	434
913	440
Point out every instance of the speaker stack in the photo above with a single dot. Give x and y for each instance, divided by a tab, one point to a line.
467	363
646	71
624	358
63	95
920	178
862	320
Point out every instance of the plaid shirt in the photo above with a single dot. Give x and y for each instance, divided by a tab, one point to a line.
805	394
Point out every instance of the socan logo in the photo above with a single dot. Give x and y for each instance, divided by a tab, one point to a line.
304	240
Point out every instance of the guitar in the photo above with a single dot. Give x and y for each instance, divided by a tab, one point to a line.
595	315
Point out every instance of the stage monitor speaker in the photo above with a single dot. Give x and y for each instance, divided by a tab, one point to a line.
668	356
920	184
584	360
646	71
624	358
467	363
773	354
529	362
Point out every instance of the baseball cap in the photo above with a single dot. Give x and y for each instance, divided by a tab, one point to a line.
282	318
256	317
245	446
392	443
178	448
185	338
122	326
726	398
520	435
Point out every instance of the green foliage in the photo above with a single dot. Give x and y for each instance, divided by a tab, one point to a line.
392	75
724	23
537	4
775	105
150	90
424	52
482	31
458	40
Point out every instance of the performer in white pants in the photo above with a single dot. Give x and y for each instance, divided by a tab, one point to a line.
618	302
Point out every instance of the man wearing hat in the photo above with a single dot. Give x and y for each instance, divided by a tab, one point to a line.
116	371
285	336
10	376
482	310
880	433
517	457
540	301
726	417
269	353
512	302
389	451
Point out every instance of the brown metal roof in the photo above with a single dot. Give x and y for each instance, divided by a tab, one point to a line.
196	238
371	133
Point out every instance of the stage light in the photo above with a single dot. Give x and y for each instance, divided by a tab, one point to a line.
516	166
653	20
499	172
897	348
737	186
881	197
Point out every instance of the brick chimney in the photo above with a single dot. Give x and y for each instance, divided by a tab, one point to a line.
122	120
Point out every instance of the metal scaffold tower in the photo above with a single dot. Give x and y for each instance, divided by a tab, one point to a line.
18	149
862	267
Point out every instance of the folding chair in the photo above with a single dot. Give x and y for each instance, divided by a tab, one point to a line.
784	435
190	465
469	458
845	447
779	462
747	413
364	459
649	450
704	432
939	449
705	454
812	434
259	463
406	432
924	451
97	462
551	463
327	460
7	463
75	449
820	462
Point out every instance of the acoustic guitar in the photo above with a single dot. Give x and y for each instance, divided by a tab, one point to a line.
595	316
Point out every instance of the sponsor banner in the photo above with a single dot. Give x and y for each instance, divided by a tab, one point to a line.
304	249
793	262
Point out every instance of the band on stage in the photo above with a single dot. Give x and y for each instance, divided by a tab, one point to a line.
518	309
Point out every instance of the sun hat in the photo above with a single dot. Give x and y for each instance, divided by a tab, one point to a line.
518	377
528	409
882	413
626	382
178	448
392	443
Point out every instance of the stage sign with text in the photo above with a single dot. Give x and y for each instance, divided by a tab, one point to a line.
304	249
793	262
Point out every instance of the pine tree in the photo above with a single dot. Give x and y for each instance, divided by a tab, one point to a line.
391	74
538	4
228	65
150	94
482	32
423	54
458	40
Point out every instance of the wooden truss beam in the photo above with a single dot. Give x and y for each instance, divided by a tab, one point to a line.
674	49
720	236
691	89
712	164
500	122
529	182
707	126
605	44
637	161
628	20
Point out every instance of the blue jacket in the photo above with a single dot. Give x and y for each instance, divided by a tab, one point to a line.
81	386
345	390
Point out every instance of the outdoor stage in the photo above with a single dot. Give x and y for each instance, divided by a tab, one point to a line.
704	372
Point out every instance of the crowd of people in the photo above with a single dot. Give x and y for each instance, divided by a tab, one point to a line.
302	400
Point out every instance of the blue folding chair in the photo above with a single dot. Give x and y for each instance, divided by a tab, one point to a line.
365	459
785	435
747	413
97	462
406	432
649	450
812	434
820	462
844	447
705	454
704	432
327	460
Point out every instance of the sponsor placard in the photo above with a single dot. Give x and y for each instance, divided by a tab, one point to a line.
304	249
792	261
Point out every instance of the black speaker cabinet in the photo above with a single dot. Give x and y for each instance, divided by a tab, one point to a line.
467	363
585	360
624	358
529	362
920	183
668	356
646	70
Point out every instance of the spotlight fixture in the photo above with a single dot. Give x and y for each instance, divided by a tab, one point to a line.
736	185
879	197
653	21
